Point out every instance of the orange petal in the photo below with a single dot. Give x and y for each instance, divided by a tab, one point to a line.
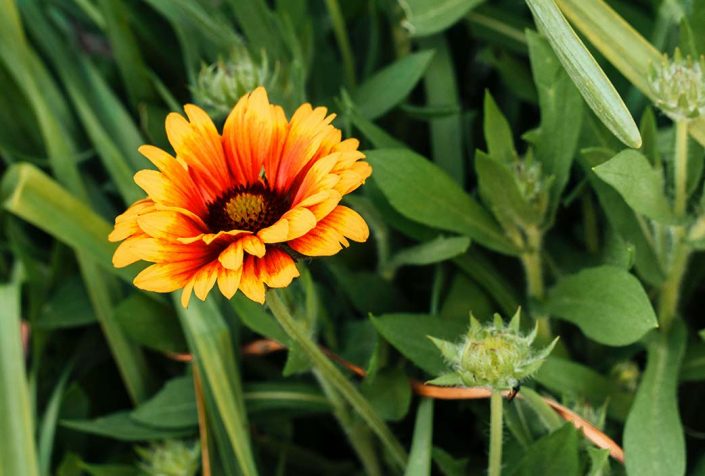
313	178
277	269
126	254
353	177
232	257
253	132
229	281
308	129
349	223
197	143
126	223
186	293
168	225
250	283
276	233
253	245
204	280
321	210
166	277
181	191
301	221
330	234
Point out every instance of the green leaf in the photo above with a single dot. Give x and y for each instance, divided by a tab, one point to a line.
18	452
564	377
623	219
173	407
639	184
593	84
389	393
391	85
561	115
408	334
426	17
693	368
608	304
449	465
653	436
435	251
500	191
556	454
498	134
275	397
121	426
425	194
151	324
254	316
422	442
68	306
599	461
35	197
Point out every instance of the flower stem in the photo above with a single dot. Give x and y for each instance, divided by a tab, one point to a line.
341	36
535	289
680	168
333	376
496	407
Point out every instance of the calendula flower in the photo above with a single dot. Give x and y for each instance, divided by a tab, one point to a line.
233	209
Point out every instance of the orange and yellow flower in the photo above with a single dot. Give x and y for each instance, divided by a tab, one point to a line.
231	209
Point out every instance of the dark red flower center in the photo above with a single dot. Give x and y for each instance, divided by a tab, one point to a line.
246	207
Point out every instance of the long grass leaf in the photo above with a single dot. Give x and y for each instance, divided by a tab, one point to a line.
592	82
18	453
210	341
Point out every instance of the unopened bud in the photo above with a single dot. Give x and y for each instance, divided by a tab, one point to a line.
678	86
170	458
494	355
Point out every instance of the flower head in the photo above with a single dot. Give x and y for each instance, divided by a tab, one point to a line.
233	209
678	86
493	355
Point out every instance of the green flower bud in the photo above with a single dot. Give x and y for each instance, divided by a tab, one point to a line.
678	86
170	458
220	85
493	355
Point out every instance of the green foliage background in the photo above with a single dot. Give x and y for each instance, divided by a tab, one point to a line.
508	171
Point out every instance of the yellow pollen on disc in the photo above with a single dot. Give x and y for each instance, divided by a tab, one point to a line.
245	207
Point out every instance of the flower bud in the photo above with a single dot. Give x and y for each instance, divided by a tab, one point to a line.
220	85
170	458
494	355
678	86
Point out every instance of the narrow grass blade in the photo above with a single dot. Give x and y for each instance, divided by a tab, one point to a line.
210	341
134	72
442	90
593	84
18	453
422	443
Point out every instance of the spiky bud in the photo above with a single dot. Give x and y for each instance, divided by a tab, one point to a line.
494	355
170	458
678	86
220	85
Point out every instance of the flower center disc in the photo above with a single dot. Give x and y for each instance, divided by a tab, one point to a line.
248	208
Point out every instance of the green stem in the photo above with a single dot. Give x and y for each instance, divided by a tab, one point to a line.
341	36
535	289
333	376
680	168
496	407
358	435
670	289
